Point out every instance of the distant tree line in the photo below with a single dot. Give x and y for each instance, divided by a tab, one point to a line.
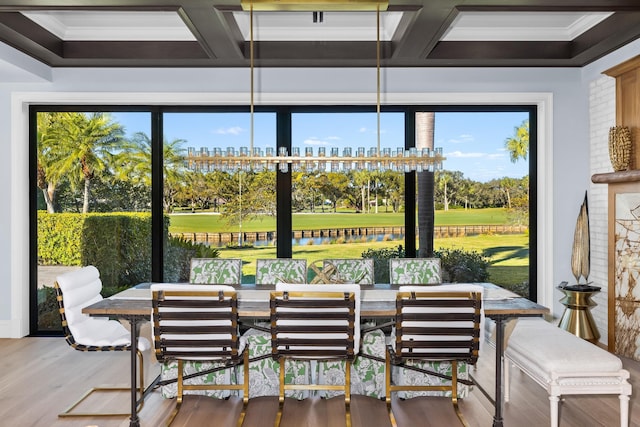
85	164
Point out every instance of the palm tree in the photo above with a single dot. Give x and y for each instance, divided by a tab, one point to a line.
47	180
518	144
506	184
135	159
425	126
85	146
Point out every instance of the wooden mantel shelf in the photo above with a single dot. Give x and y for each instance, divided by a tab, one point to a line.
616	177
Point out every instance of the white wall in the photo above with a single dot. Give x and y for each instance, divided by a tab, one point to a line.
602	115
564	161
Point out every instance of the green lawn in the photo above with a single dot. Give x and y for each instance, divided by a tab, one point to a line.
509	254
209	222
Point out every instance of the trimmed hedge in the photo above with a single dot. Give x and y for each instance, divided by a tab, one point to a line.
117	244
59	240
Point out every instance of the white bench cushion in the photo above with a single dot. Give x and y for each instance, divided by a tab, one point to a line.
564	353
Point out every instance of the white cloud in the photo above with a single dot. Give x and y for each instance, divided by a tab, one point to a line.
363	129
314	141
461	139
461	155
235	130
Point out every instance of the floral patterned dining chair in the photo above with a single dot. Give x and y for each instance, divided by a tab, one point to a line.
216	271
209	271
356	270
423	271
281	270
415	271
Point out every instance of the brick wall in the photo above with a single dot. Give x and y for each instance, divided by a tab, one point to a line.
602	115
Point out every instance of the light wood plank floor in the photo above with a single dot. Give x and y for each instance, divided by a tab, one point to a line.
40	377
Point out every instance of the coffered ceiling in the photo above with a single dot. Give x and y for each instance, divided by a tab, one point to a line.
413	33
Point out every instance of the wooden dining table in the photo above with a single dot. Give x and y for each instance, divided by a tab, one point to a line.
377	301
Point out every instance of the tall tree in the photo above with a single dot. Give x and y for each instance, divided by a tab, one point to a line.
425	127
87	144
47	180
518	144
393	189
335	187
361	179
135	161
258	196
507	185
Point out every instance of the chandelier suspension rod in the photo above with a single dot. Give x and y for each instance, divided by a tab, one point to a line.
251	66
378	74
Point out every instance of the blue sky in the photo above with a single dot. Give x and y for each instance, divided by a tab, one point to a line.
473	143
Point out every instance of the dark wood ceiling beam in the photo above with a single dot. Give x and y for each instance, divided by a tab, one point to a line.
614	32
211	29
548	6
139	50
102	4
500	50
335	51
25	35
427	27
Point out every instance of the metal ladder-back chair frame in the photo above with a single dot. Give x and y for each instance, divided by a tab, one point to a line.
199	325
68	336
434	326
314	325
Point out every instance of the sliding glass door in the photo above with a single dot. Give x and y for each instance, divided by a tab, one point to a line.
140	191
92	202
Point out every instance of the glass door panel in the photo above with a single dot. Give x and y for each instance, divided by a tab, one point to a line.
342	209
481	195
93	198
218	206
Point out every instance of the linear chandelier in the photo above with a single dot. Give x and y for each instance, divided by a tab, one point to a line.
373	159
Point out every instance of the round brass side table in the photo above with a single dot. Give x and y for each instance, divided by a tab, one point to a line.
577	317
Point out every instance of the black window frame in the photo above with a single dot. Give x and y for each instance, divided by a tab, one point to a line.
283	180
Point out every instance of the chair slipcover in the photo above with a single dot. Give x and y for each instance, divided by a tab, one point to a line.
169	369
278	270
404	376
415	271
264	371
320	324
216	271
356	270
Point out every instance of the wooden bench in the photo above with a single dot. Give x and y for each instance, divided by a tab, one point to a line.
564	364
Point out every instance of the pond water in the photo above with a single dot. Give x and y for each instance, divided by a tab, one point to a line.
328	240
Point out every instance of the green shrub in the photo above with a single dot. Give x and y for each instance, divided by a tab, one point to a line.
59	240
177	262
381	261
117	244
48	311
459	266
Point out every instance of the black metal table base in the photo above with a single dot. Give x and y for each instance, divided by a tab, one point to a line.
497	416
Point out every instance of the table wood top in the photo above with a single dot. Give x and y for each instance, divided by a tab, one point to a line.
376	301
